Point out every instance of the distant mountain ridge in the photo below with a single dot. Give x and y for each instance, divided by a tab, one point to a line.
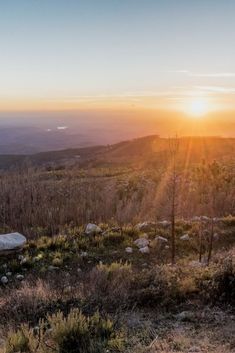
146	149
30	140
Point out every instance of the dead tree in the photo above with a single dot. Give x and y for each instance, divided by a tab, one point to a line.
173	183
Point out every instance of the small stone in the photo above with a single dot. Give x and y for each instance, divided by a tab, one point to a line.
19	277
92	229
144	250
185	316
53	268
194	350
164	224
161	239
141	242
145	226
195	264
185	237
36	329
129	250
4	280
84	254
9	274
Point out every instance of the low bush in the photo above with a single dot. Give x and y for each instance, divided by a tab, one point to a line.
229	221
113	239
109	284
75	333
159	286
218	284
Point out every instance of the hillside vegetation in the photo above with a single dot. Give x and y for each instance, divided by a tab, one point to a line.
130	249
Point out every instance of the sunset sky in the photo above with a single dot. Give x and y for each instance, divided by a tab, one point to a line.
131	54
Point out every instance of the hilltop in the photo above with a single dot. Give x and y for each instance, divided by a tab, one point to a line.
148	149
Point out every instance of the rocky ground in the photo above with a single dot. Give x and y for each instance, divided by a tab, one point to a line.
125	275
196	330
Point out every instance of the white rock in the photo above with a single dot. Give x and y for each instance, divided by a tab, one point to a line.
9	274
84	254
53	268
194	350
145	226
92	229
11	241
164	224
185	237
196	219
161	239
185	316
205	218
129	250
4	280
144	250
19	277
141	242
195	264
36	329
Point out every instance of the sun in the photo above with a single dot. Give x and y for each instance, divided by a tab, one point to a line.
197	108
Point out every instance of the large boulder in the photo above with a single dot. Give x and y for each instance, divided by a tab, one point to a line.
11	242
141	242
92	229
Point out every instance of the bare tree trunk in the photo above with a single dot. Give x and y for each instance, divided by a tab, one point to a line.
173	238
211	242
173	147
173	220
200	242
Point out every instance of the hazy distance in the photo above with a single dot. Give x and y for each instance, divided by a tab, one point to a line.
31	132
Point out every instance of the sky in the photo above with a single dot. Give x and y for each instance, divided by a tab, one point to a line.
117	54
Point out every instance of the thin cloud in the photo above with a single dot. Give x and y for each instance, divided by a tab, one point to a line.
209	75
217	89
214	75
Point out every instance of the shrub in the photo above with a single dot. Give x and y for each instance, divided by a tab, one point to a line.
27	302
156	287
17	342
219	285
109	284
75	333
113	239
229	221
